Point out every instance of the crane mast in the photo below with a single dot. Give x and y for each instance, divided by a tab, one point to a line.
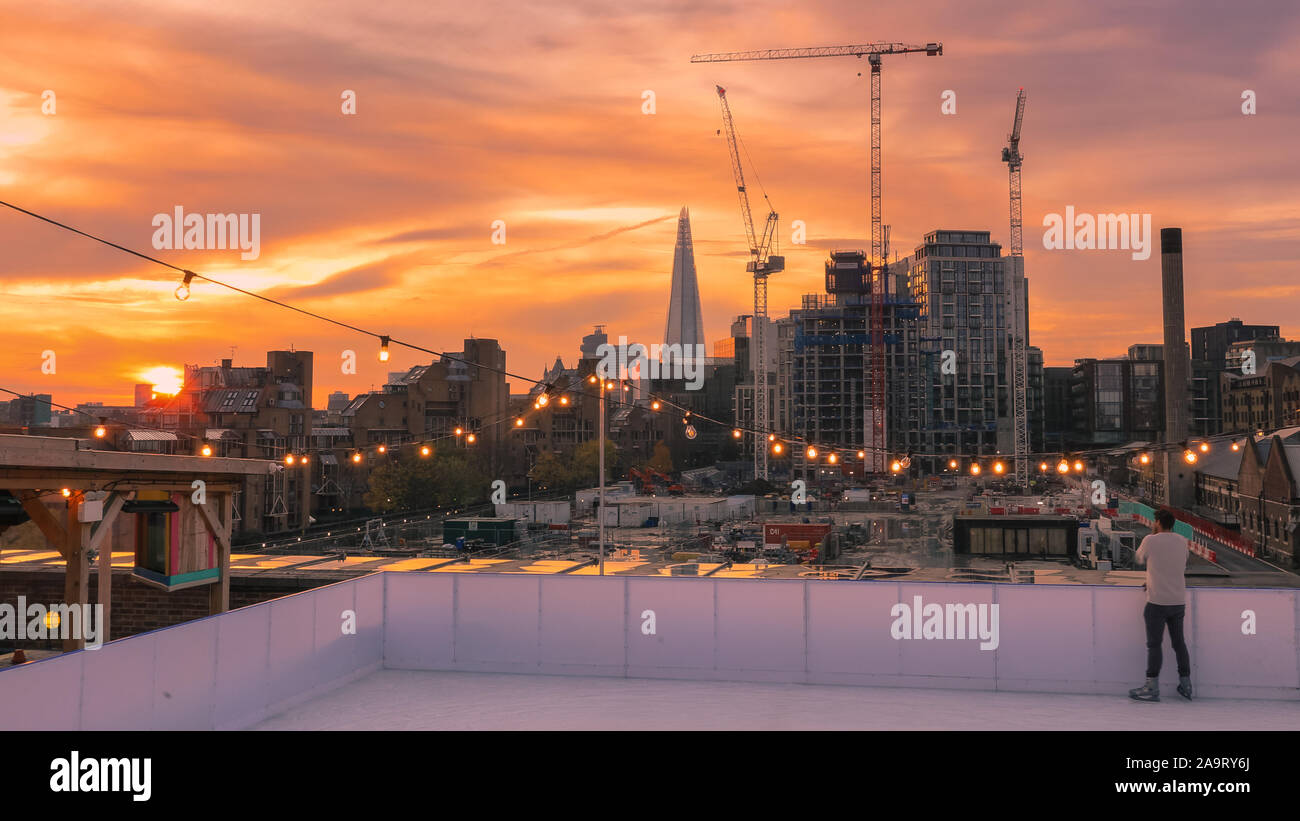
761	263
1019	377
874	355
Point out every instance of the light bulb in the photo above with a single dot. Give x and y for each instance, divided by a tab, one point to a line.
736	434
519	423
471	438
207	450
424	450
383	349
543	400
383	449
183	290
288	459
356	458
998	467
974	469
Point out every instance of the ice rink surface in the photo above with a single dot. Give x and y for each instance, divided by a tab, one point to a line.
422	700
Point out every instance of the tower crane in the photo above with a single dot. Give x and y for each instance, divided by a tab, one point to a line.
762	262
1019	294
874	361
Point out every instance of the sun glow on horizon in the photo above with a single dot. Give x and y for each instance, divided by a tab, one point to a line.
164	378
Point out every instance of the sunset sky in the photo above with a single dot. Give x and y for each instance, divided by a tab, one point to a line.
531	113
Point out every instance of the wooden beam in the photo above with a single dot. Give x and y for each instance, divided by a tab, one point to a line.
49	526
106	524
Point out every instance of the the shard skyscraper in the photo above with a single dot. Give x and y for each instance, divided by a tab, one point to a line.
685	320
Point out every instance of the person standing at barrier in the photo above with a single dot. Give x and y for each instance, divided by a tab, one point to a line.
1165	555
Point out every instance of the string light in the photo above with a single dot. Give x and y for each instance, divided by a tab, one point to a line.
1145	459
383	449
1189	456
519	422
974	468
1236	446
206	450
1205	447
66	492
543	400
383	348
471	439
304	459
288	459
1042	467
1063	466
592	379
952	463
690	432
812	452
1078	467
776	448
564	400
998	467
100	430
424	450
896	466
862	454
771	437
459	431
832	458
182	293
654	405
736	433
183	290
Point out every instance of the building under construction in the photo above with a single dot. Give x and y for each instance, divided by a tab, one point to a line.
829	367
958	281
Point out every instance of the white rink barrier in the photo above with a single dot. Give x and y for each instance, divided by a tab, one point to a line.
238	668
1049	638
222	672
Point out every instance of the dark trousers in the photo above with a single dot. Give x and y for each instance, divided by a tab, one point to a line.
1156	616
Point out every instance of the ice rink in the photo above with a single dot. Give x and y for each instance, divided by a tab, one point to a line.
421	700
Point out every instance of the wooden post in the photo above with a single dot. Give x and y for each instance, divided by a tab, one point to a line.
103	542
76	577
219	593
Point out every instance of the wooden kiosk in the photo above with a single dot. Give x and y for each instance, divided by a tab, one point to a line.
184	505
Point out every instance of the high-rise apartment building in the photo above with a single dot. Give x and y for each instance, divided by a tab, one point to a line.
958	281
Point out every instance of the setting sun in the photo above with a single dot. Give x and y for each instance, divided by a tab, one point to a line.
164	378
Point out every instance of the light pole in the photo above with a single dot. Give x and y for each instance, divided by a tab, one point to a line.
600	511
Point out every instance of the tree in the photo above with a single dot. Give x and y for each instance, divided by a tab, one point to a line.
443	481
552	472
586	461
662	460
